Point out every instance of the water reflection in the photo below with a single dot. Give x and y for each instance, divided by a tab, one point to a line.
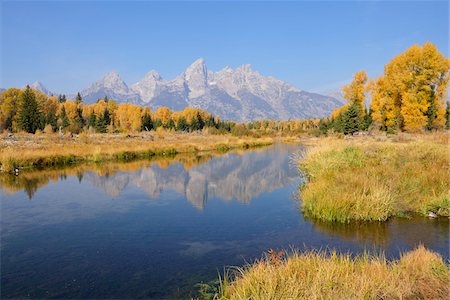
196	177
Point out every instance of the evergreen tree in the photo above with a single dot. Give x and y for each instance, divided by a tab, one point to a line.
339	121
157	123
92	121
351	120
431	112
182	124
170	124
106	99
30	116
107	117
100	125
78	99
62	98
324	125
63	117
79	121
197	122
51	119
366	120
211	123
147	123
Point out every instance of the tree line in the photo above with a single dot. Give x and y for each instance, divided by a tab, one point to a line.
30	110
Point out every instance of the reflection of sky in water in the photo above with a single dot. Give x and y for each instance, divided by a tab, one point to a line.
157	231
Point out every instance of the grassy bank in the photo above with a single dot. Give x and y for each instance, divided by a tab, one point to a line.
48	150
372	179
419	274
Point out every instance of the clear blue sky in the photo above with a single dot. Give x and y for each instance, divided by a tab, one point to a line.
314	45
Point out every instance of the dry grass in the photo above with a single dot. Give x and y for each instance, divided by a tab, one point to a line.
48	150
372	179
419	274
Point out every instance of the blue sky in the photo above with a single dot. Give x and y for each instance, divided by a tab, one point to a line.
316	46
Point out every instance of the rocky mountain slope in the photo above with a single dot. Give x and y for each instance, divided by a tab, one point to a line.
240	94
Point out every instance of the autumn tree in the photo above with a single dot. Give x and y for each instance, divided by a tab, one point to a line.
410	95
9	104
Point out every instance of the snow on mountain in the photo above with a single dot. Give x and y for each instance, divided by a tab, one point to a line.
240	94
41	88
111	86
147	88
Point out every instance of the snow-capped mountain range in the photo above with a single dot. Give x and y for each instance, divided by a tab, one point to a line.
240	94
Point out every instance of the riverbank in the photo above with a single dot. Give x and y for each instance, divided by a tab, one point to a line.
418	274
49	150
374	178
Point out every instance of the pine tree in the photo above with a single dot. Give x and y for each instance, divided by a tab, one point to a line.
170	124
100	125
78	99
92	120
431	112
157	123
65	122
197	122
351	119
210	122
51	119
107	116
79	121
30	116
147	123
62	98
182	124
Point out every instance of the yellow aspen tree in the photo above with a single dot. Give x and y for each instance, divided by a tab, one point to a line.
9	101
163	113
354	92
411	94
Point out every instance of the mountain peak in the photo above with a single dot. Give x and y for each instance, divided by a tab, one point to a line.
37	85
112	76
153	74
196	76
246	68
198	61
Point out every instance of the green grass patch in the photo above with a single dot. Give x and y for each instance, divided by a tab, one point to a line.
374	181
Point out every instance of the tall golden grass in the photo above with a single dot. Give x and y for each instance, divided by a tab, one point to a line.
372	179
49	150
418	274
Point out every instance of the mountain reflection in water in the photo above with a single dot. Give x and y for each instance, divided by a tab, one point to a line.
228	176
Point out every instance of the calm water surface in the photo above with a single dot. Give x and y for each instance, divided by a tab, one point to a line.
155	229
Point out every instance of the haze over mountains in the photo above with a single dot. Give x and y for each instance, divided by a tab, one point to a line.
239	94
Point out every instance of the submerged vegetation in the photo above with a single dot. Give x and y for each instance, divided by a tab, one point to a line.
365	179
418	274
